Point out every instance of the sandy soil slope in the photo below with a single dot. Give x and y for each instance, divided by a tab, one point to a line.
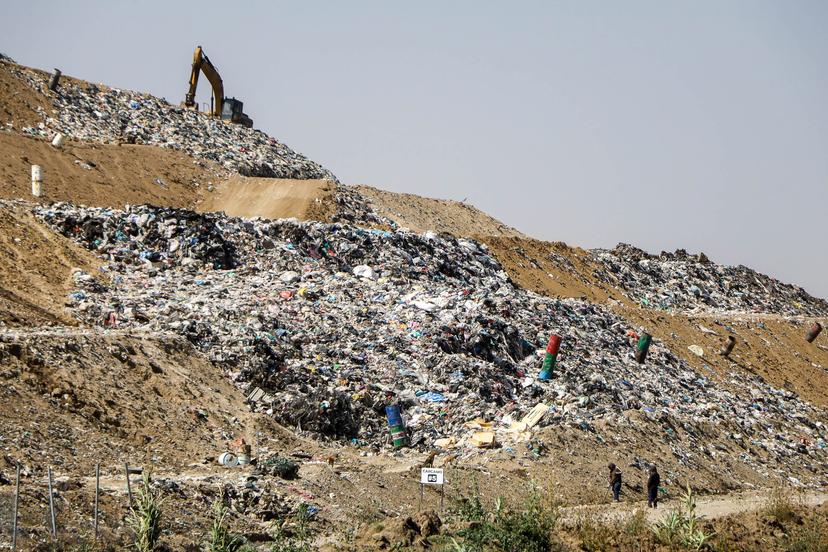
438	215
36	270
74	397
19	104
103	175
272	198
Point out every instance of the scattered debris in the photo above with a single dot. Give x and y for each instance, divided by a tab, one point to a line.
438	329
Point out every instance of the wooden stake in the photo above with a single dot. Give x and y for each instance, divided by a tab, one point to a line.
97	492
129	488
16	502
52	506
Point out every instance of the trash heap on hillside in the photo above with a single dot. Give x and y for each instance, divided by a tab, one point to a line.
329	323
693	283
109	115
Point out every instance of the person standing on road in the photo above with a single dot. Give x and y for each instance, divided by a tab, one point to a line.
652	487
615	482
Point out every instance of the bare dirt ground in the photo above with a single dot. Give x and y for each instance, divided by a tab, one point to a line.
421	214
271	198
103	175
20	106
76	397
35	270
708	507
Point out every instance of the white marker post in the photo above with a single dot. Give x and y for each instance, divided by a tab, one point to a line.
432	476
37	180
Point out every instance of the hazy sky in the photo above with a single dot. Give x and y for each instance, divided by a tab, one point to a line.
701	125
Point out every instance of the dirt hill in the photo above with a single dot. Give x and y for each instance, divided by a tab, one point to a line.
272	198
36	268
422	214
104	175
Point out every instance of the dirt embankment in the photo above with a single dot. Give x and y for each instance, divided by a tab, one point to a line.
549	268
36	270
73	398
103	175
20	105
421	214
272	198
77	397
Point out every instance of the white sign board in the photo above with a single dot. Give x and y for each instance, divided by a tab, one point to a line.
431	476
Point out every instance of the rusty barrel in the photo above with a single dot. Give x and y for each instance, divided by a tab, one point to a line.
727	348
642	347
54	80
813	332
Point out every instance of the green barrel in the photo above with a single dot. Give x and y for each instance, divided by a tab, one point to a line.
551	357
642	347
548	366
398	436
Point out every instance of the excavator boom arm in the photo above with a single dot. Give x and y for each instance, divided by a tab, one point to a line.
201	64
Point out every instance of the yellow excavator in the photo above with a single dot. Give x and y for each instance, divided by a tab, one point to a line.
228	109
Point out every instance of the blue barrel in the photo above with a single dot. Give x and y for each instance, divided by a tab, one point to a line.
392	412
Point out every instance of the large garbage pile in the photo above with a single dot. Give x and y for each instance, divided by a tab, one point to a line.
329	323
693	283
109	115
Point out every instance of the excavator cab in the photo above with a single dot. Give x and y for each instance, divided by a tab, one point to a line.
233	110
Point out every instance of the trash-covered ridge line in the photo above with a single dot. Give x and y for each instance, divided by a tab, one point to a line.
110	115
680	281
335	322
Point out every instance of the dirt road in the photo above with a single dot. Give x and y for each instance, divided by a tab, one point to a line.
709	507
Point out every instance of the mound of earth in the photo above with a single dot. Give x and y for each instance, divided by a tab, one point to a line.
74	397
422	214
272	198
103	175
36	268
20	105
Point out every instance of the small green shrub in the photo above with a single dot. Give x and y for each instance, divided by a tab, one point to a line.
595	534
526	527
636	524
682	527
297	540
220	539
144	518
282	467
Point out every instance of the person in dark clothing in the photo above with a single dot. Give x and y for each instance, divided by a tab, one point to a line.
652	487
615	482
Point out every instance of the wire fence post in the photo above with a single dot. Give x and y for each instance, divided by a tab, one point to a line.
16	502
129	488
97	492
52	506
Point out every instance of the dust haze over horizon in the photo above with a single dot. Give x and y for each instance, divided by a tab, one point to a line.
701	126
